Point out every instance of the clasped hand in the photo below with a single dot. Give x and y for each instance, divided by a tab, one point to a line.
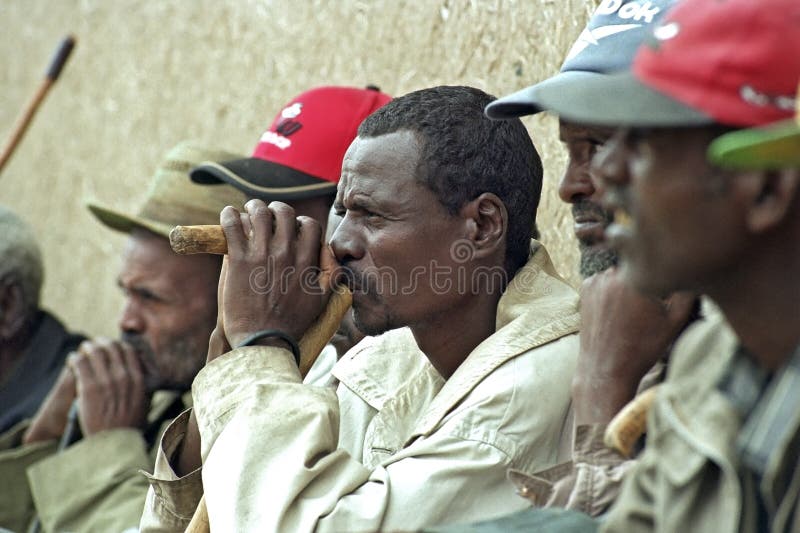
277	274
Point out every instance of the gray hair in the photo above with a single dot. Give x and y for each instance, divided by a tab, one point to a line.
20	257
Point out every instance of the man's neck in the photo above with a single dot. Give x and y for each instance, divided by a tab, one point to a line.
761	301
448	340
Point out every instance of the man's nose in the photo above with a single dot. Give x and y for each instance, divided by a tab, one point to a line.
346	243
576	183
609	166
131	320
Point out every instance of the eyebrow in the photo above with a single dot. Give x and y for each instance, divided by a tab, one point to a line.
138	289
359	201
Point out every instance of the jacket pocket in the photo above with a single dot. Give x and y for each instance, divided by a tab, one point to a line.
682	463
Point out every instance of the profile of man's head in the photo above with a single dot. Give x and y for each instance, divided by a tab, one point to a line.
21	274
170	308
432	189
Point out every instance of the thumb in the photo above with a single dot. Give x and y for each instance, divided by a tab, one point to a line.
328	267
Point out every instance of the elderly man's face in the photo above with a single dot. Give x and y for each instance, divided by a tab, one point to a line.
170	308
676	225
395	240
579	189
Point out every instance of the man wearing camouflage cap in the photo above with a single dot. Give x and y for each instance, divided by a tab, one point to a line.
127	388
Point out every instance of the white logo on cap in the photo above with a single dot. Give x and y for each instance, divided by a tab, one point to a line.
292	111
278	140
753	96
593	37
632	10
667	31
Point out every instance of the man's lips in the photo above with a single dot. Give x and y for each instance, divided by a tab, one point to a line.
590	231
621	229
349	279
589	225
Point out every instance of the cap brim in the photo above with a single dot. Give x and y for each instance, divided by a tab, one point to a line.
526	101
771	147
258	178
617	100
119	221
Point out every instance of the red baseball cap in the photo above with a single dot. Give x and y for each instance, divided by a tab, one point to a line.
709	61
300	155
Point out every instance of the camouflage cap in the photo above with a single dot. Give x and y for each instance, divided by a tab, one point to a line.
172	198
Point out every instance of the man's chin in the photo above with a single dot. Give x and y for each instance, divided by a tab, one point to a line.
596	258
368	325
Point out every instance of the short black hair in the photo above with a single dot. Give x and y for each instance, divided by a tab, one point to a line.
465	154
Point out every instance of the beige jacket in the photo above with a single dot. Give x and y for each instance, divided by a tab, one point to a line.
591	481
395	447
689	477
92	486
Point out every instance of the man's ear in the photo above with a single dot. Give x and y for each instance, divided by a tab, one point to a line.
487	224
770	195
13	314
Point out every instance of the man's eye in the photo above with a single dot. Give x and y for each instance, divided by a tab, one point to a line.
637	135
148	296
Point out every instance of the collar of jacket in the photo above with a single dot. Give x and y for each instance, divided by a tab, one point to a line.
538	307
377	367
697	411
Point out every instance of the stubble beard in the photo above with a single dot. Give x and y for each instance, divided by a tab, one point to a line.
174	368
596	259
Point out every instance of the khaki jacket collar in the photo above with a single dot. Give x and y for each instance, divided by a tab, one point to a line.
538	307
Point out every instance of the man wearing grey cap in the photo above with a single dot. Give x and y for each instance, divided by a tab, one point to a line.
125	389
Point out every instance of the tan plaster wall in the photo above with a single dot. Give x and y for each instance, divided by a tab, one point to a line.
146	75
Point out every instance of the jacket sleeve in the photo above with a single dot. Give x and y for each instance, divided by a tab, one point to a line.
589	483
634	507
171	500
94	485
271	463
16	502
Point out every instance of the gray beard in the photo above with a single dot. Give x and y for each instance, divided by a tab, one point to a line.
174	368
596	261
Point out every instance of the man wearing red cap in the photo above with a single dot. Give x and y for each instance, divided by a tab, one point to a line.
298	160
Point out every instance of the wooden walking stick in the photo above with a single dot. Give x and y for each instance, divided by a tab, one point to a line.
53	71
630	423
211	239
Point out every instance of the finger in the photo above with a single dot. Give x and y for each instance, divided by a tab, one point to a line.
309	240
247	228
285	228
235	235
84	373
223	272
329	267
261	222
67	376
135	371
119	380
99	363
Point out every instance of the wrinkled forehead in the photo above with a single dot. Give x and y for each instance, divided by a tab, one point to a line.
149	258
379	167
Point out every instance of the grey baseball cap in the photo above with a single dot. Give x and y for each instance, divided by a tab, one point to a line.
607	45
